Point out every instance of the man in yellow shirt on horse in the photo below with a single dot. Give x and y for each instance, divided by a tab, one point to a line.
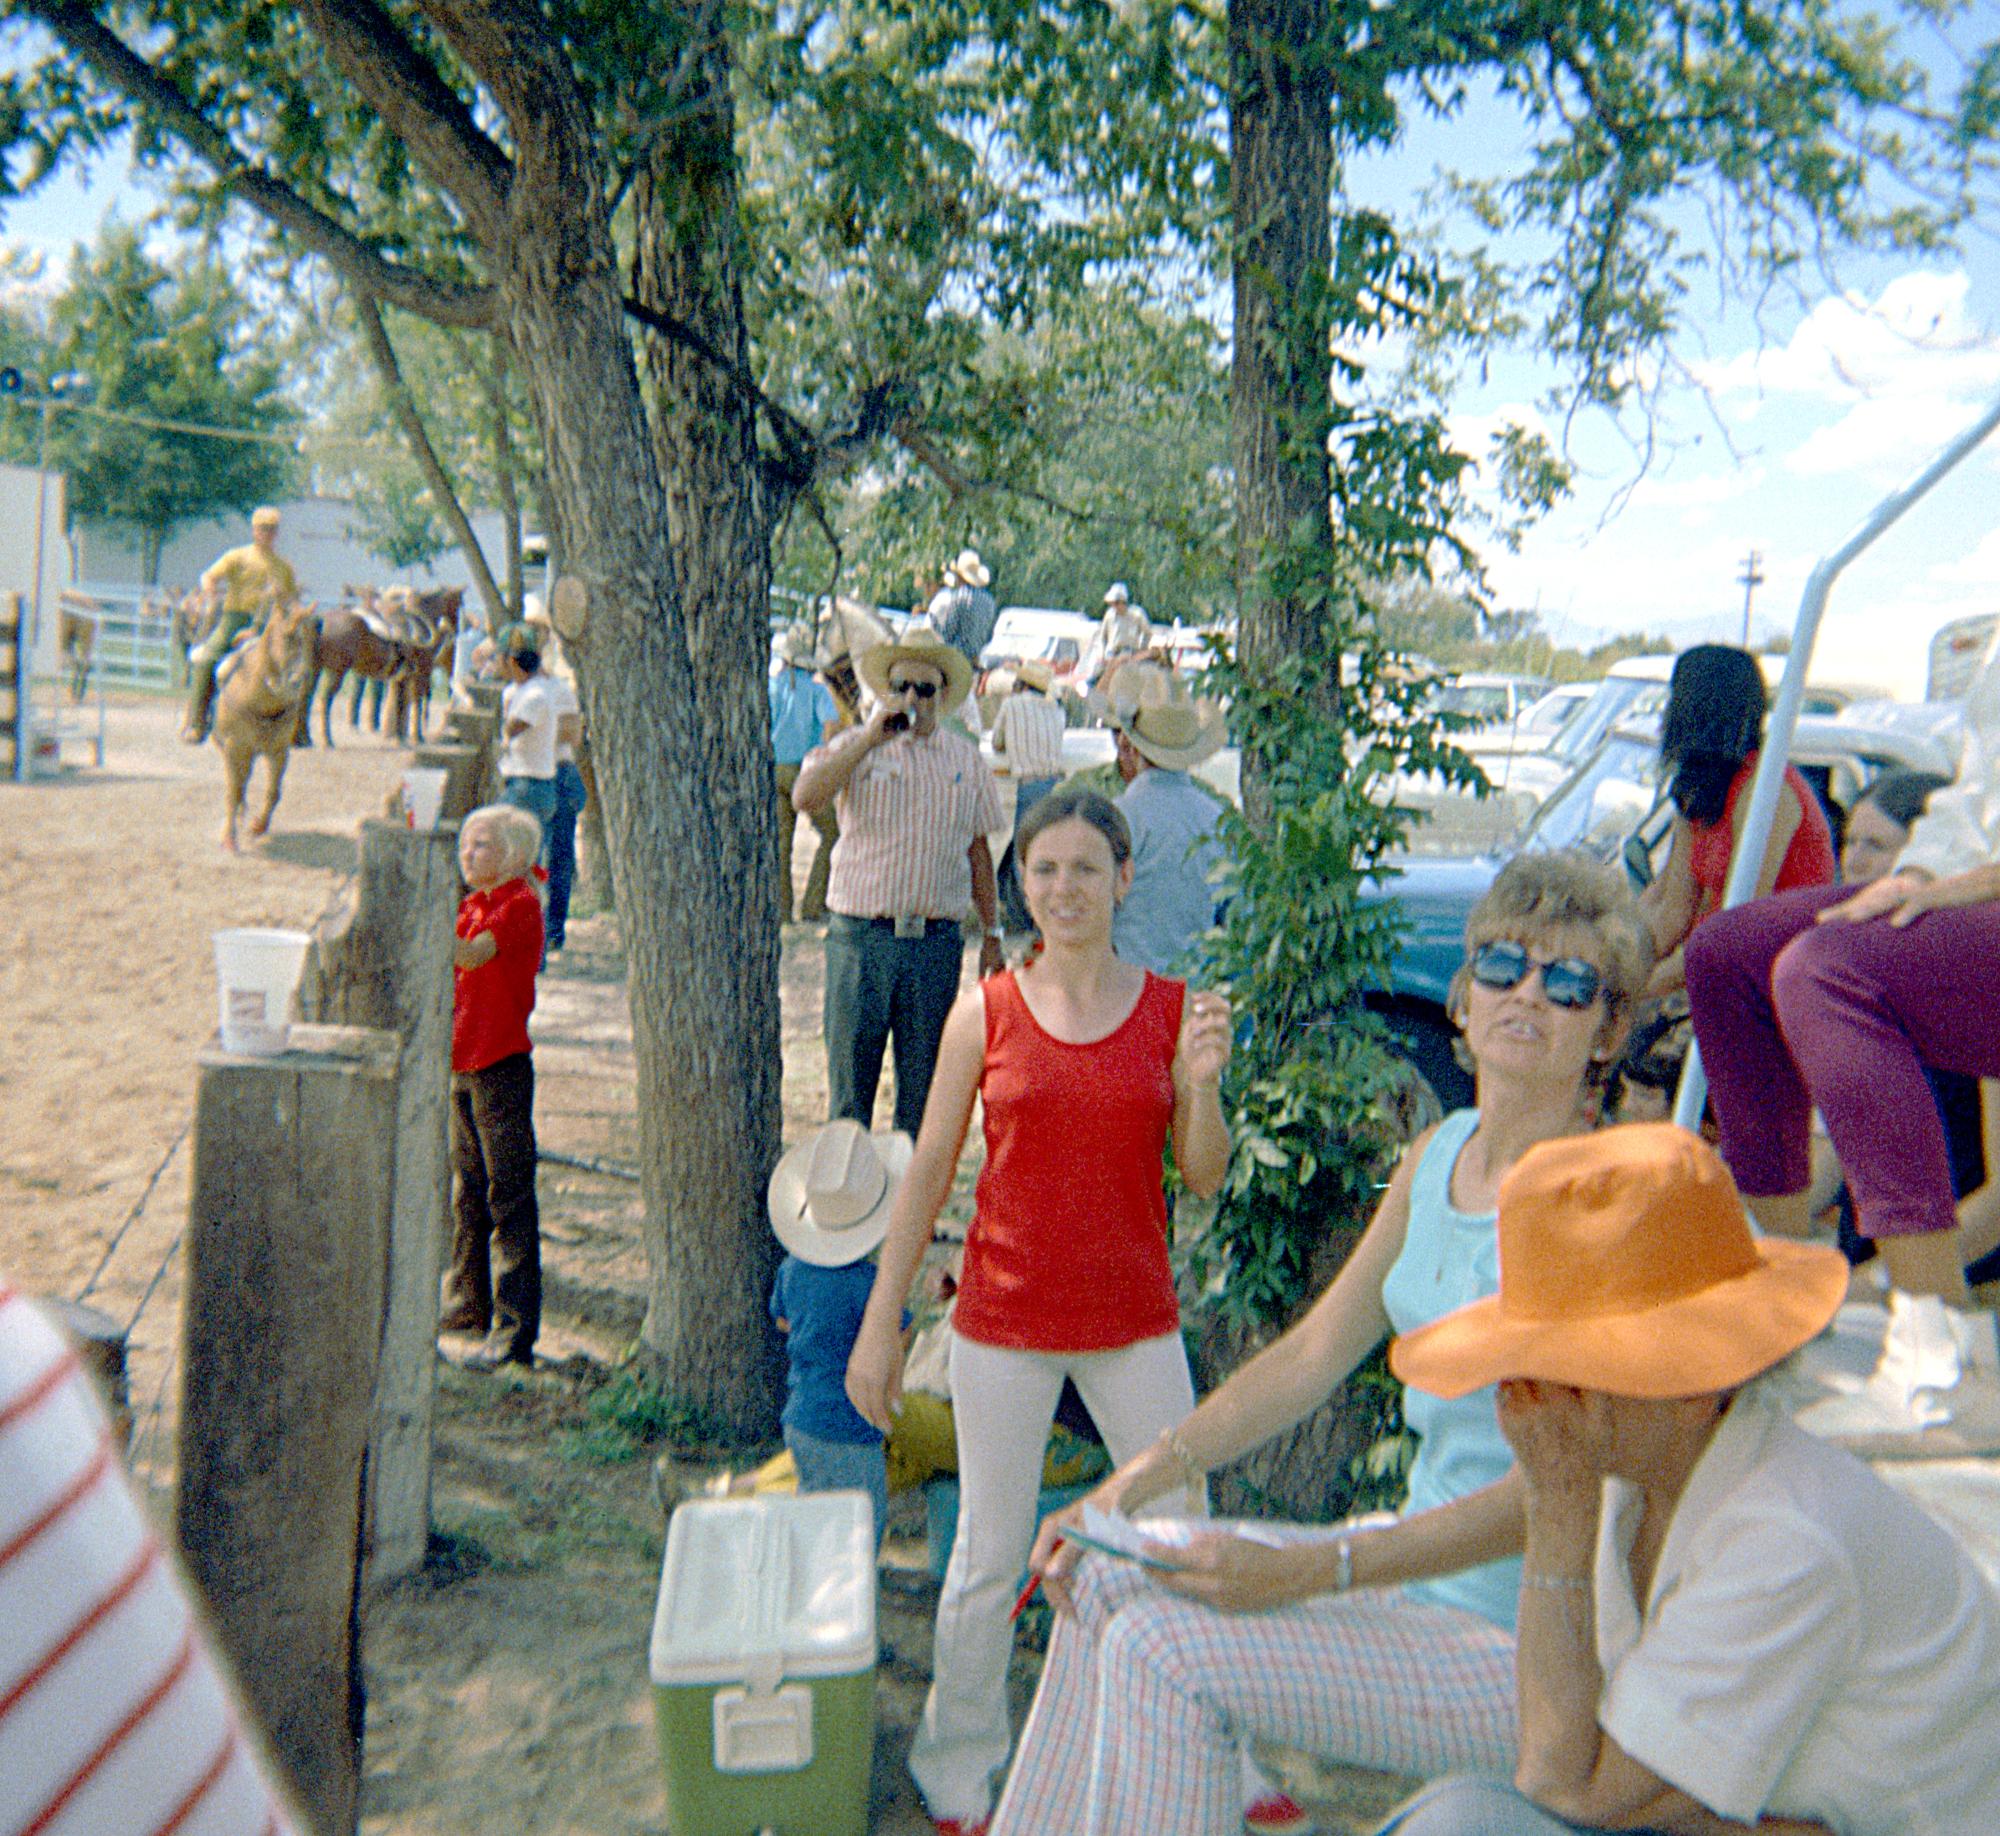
250	580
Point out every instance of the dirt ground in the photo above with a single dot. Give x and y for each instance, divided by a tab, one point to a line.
506	1685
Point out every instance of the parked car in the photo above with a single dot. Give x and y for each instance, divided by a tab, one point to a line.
1614	807
1535	729
1041	633
1493	701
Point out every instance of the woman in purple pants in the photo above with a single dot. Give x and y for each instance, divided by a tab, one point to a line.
1830	997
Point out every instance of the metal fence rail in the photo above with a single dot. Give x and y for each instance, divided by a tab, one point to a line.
132	644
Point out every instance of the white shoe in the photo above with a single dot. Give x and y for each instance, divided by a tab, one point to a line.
1934	1391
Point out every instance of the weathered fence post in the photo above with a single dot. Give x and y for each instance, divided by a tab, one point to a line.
383	960
468	771
15	668
99	1342
288	1235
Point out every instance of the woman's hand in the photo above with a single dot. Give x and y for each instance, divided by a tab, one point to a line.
1236	1575
875	1374
1055	1559
1203	1051
1899	897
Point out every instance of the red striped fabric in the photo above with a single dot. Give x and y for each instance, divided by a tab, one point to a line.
114	1718
908	815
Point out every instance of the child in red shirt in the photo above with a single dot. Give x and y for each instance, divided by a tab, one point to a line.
495	1282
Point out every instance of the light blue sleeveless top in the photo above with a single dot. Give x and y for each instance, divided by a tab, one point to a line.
1450	1258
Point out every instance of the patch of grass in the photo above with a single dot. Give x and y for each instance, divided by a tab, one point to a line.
629	1415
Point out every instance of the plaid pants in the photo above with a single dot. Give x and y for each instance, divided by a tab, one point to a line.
1146	1695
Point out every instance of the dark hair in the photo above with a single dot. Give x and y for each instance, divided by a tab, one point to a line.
1901	795
1714	721
1075	803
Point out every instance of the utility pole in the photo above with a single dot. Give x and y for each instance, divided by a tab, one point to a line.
1752	578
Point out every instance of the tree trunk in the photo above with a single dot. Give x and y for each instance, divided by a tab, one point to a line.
1280	204
685	262
495	377
669	677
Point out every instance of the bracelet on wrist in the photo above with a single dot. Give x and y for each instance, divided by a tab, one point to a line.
1343	1565
1557	1584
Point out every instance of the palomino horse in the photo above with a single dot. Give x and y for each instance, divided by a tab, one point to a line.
386	644
257	709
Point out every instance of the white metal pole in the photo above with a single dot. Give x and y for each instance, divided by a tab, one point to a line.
1749	856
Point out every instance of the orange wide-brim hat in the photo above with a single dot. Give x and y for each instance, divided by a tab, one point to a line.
1627	1265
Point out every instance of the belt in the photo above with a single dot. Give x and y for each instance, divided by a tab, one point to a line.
932	926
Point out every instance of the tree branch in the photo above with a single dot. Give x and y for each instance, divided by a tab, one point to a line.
120	68
419	107
403	406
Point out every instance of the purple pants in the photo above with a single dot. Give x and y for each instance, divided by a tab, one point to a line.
1790	1013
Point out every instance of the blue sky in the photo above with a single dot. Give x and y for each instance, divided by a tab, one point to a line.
1788	432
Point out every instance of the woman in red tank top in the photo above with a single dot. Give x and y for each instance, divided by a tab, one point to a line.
1087	1068
1710	739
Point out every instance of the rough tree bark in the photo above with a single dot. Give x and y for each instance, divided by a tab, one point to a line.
1280	207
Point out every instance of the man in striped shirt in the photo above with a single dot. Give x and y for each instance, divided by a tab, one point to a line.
115	1720
916	804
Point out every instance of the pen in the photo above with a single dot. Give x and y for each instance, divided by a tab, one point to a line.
1028	1593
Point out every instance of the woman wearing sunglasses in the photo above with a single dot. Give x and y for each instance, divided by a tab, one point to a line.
1385	1644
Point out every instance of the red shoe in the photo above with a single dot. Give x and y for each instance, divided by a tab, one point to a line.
957	1826
1275	1814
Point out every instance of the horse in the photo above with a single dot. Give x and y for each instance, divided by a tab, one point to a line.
260	688
76	638
377	644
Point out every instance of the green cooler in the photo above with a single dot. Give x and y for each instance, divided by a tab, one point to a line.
763	1665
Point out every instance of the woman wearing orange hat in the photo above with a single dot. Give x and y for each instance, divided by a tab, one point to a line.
1386	1645
1724	1622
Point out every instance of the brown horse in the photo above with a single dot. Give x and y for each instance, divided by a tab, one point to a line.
380	644
257	709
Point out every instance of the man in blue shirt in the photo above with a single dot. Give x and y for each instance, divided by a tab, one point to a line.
802	711
1163	733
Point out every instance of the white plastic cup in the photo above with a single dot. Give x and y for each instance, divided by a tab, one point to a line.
423	795
256	973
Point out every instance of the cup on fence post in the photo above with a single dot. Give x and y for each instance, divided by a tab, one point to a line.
423	795
256	973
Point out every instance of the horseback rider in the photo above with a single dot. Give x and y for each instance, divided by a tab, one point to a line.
249	580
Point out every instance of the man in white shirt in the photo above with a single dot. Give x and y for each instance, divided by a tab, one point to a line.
1027	740
1724	1622
527	732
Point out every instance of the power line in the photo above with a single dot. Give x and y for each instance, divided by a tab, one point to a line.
295	442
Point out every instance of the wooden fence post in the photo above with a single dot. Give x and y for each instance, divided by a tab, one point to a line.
468	772
288	1233
15	669
383	960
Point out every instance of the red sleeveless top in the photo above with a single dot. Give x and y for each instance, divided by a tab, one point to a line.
1068	1247
1808	860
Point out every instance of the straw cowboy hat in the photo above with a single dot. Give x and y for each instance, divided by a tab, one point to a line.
919	644
1627	1266
968	569
1037	674
796	647
850	630
1116	594
831	1195
1157	712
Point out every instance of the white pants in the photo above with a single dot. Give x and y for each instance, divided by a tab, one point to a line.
1005	1402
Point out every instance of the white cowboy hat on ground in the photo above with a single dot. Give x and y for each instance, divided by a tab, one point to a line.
919	644
1157	712
831	1195
969	569
1116	594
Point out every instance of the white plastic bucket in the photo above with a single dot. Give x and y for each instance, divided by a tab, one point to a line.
256	973
423	795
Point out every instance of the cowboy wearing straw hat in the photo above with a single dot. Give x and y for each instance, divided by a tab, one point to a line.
803	713
247	581
1163	733
1722	1619
916	803
963	612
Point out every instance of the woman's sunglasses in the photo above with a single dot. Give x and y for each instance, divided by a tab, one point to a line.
1569	981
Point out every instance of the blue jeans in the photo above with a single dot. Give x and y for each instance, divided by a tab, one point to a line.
560	851
843	1466
538	797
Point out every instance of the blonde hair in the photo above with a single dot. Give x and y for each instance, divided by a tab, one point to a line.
1535	894
519	830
